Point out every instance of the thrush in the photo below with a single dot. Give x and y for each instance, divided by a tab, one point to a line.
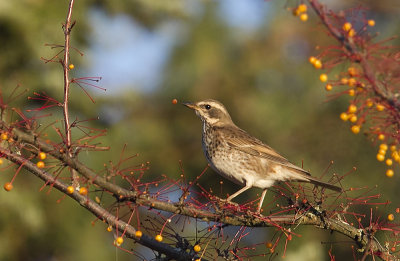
242	158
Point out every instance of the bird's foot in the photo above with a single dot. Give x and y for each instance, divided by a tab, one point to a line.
224	203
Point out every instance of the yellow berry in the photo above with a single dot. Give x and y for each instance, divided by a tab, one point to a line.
389	162
109	228
159	238
352	82
344	80
70	189
393	147
4	136
381	151
370	103
1	161
8	186
380	107
355	129
317	64
312	59
352	32
83	191
302	8
42	155
380	157
323	77
296	12
352	92
328	87
269	244
396	156
383	146
71	66
390	217
304	17
344	116
347	26
119	241
197	248
352	71
381	137
353	118
138	234
371	22
352	108
40	164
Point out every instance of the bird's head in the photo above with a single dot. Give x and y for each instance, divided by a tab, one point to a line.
210	111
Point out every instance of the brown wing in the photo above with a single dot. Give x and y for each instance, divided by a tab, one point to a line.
241	140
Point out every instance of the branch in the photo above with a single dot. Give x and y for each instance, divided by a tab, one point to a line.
362	237
353	50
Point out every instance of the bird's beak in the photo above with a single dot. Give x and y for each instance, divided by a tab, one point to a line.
190	105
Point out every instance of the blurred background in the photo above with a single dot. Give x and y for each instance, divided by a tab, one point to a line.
250	54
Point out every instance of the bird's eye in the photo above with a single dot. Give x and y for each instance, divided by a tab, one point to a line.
207	107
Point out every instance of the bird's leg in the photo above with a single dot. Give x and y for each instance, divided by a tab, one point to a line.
240	191
261	201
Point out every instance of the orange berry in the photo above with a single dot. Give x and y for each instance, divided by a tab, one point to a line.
269	244
138	234
40	164
389	173
71	66
328	87
352	92
323	77
347	26
70	189
1	161
352	33
159	238
380	157
370	103
304	17
174	101
42	155
197	248
390	217
352	108
344	80
393	147
371	22
383	146
312	59
344	116
381	137
109	228
380	107
355	129
302	8
353	118
317	64
296	12
4	136
352	71
119	241
352	82
83	191
8	186
381	151
389	162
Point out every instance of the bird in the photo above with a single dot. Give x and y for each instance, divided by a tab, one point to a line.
242	158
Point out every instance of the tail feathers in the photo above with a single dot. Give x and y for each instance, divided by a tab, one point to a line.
323	184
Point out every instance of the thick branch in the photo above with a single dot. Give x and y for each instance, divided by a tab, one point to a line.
96	209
